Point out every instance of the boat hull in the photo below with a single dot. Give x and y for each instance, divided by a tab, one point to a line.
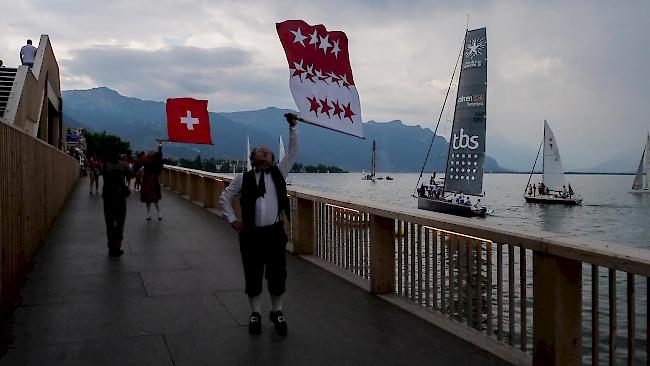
449	208
640	191
553	200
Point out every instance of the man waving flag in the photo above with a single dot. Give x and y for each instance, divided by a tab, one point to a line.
188	121
320	76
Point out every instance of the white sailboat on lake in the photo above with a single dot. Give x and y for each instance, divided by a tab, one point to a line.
554	188
249	166
371	176
641	185
281	154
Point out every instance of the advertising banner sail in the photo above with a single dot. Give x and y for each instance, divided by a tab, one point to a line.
464	172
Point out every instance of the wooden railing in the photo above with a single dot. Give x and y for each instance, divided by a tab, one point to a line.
35	181
530	298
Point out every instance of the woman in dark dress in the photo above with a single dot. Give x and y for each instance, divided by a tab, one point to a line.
150	192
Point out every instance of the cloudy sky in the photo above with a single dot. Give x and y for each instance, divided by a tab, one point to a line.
581	65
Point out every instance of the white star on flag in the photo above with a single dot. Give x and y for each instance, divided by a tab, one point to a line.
189	121
336	49
324	44
314	38
299	37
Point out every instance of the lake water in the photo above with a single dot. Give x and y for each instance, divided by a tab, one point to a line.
608	213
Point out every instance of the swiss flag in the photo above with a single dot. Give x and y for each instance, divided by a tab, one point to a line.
320	76
188	121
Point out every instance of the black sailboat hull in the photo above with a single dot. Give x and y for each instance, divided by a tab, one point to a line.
553	200
449	208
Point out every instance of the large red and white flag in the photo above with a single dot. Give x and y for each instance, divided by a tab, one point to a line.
188	121
320	76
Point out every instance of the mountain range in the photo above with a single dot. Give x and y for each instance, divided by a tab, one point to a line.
400	147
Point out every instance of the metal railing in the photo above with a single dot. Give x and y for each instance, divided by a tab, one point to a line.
530	298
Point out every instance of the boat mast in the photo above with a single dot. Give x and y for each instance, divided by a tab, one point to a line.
372	172
453	74
535	163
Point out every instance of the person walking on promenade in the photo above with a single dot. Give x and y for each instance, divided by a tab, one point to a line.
137	170
262	240
114	193
95	170
150	191
28	54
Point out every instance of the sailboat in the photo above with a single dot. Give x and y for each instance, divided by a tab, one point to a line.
249	166
638	184
371	176
464	170
553	188
281	154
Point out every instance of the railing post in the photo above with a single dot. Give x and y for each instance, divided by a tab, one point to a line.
302	227
382	255
209	188
176	182
194	187
557	304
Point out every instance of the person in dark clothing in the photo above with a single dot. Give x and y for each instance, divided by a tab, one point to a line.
262	239
114	193
152	166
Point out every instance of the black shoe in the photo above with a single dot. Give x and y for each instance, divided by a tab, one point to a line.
277	318
255	323
115	253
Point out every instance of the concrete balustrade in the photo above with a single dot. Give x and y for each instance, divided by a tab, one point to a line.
35	183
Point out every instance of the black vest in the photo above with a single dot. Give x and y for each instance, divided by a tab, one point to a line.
249	195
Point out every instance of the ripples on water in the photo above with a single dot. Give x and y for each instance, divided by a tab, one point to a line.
609	212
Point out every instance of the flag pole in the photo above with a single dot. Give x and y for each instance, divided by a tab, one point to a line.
329	128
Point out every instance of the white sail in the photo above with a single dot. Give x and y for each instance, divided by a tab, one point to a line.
553	169
249	166
281	150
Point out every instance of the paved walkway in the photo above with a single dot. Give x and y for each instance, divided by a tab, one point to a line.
176	298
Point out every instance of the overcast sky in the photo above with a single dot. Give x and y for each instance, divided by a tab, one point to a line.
580	65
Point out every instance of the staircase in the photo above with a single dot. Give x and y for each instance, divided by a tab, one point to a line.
7	76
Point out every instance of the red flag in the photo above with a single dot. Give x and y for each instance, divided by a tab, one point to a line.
320	76
188	121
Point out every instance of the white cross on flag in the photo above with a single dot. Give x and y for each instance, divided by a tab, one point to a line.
188	121
320	76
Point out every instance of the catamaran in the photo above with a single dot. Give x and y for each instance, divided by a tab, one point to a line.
638	184
464	170
554	187
371	176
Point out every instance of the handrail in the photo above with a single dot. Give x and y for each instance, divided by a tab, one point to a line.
601	253
521	295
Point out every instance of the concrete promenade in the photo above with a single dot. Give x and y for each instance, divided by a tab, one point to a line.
176	298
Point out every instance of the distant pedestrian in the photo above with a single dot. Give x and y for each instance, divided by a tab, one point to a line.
114	193
150	192
263	198
95	170
137	170
28	54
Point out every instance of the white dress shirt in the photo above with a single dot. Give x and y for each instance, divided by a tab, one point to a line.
266	207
